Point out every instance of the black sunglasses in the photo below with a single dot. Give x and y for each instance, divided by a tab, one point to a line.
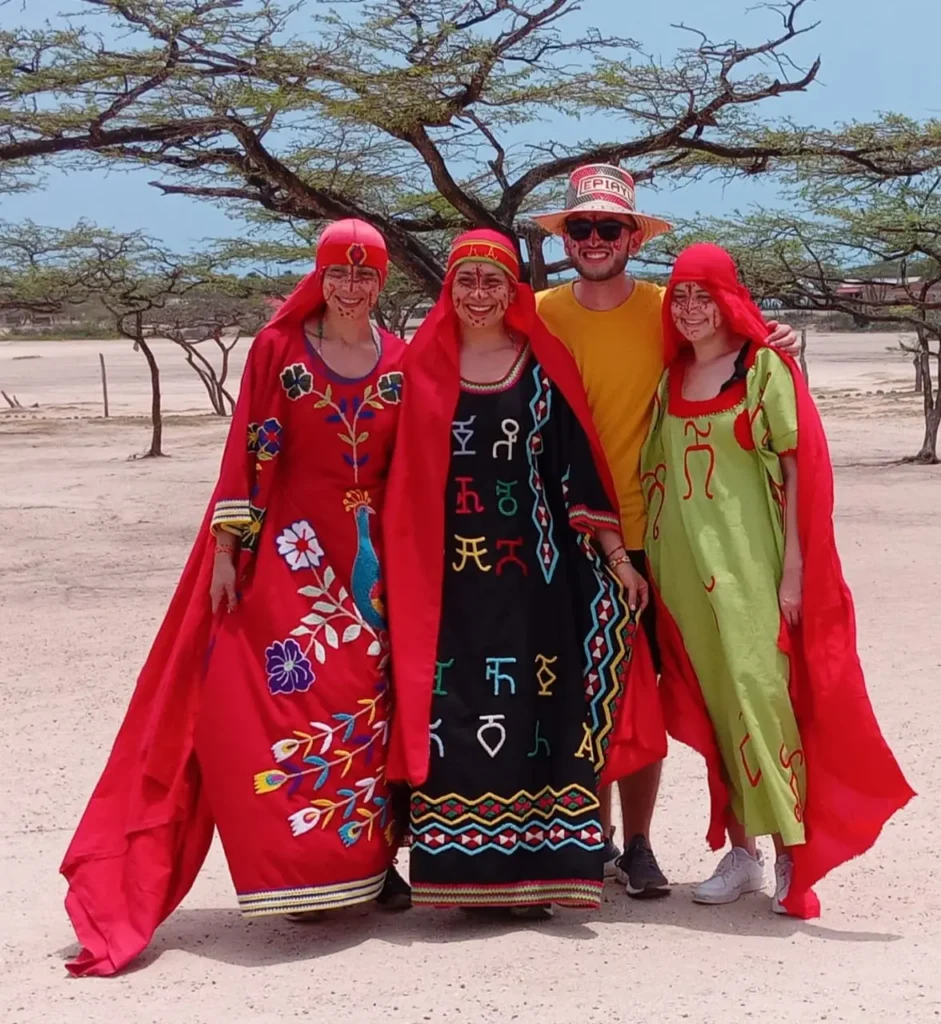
579	229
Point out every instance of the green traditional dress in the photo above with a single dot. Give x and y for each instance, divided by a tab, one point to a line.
715	539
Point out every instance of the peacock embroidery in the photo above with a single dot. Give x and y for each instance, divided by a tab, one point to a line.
365	582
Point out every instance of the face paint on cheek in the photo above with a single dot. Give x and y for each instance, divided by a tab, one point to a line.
715	318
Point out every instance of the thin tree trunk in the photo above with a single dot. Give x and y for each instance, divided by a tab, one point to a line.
534	239
928	455
156	412
803	356
919	375
104	383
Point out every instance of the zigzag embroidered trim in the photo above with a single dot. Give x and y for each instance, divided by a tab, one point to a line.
581	515
491	808
508	839
317	897
567	892
607	658
232	512
547	553
509	381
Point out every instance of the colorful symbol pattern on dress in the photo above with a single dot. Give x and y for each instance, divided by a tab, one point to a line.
547	553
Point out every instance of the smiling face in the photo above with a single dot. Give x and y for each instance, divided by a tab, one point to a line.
601	253
481	293
695	312
350	292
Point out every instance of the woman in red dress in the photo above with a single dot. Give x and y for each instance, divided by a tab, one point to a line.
263	707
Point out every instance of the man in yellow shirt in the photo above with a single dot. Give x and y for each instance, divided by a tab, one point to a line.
611	324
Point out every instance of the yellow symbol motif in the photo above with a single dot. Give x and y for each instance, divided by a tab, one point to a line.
470	548
544	675
587	748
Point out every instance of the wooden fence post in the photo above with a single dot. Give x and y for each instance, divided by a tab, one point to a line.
104	382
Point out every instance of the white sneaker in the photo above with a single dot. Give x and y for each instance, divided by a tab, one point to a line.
783	869
738	873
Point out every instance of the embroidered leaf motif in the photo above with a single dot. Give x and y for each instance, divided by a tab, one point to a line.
367	391
364	436
310	592
374	649
364	812
326	734
350	724
313	620
327	397
347	439
331	634
343	595
319	653
300	631
329	576
323	606
352	632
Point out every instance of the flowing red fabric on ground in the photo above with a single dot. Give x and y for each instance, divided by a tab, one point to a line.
854	784
415	521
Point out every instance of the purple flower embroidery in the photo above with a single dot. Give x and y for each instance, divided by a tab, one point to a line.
289	671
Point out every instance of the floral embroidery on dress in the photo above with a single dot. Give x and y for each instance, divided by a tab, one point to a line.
288	668
320	754
297	381
299	547
251	532
268	440
253	429
390	387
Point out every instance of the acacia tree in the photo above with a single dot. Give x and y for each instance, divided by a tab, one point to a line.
832	249
411	114
216	314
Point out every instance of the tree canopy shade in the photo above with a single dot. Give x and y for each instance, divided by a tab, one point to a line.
408	113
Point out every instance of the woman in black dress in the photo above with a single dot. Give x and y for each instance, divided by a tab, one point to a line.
512	603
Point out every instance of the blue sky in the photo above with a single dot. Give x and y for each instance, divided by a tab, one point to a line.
875	57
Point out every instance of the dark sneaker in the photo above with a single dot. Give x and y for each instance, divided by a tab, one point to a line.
534	912
639	871
611	852
396	892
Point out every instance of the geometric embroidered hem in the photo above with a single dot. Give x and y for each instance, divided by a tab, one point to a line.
316	897
508	838
491	808
567	892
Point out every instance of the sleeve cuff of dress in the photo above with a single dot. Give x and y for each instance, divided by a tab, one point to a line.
231	515
591	520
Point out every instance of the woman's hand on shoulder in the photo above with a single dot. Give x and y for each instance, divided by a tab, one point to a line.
784	338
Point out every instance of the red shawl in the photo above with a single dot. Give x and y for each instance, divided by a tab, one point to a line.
414	521
854	784
147	828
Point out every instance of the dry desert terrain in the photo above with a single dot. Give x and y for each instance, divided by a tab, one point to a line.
91	544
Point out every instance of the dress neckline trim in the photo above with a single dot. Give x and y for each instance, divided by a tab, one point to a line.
510	380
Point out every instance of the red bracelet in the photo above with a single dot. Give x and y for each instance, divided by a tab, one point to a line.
222	549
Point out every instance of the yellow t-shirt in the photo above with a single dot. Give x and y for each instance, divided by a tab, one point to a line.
620	356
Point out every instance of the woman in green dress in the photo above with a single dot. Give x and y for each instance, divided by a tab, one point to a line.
760	666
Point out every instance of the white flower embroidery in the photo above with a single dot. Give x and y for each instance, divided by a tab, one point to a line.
299	547
284	749
303	821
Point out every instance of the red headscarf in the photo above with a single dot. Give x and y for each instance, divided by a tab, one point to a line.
854	784
352	243
414	517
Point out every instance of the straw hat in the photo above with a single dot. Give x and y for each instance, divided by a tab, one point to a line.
602	188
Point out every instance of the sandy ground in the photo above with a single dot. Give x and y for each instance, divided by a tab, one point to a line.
91	547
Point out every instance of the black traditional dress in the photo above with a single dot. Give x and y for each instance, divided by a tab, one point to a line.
531	648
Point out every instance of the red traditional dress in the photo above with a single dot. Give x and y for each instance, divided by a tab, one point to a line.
781	716
270	722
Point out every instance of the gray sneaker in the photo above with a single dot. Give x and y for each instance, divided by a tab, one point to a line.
611	852
639	871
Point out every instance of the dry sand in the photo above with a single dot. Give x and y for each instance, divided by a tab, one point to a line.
91	548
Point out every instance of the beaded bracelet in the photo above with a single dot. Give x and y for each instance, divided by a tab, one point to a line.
624	559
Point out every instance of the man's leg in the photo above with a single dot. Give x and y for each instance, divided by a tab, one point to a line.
638	800
638	868
611	850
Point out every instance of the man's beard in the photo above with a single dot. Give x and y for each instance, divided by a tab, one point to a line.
592	273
